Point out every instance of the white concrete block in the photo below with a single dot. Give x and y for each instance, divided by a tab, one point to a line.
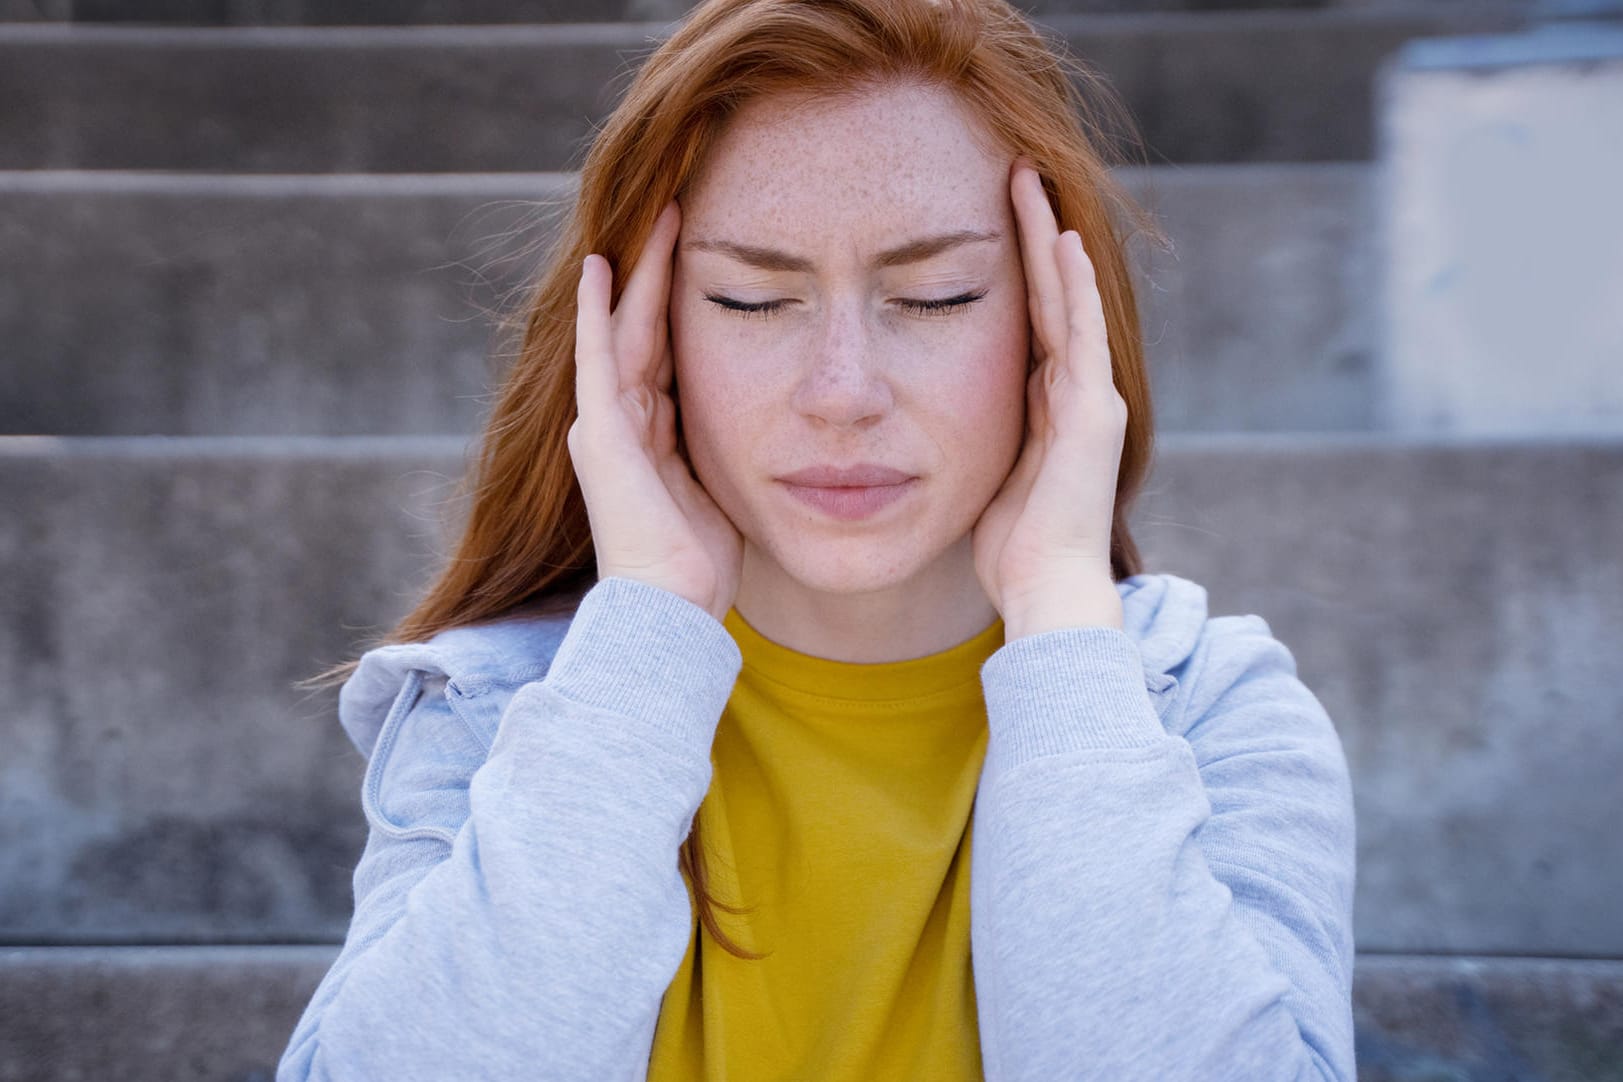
1501	203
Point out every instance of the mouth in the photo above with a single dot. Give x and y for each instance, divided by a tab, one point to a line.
862	475
849	493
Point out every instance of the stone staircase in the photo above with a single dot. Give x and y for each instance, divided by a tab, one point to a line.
248	252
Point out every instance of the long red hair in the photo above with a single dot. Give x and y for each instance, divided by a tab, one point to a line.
526	541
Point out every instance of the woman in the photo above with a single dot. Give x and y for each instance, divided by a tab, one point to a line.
841	583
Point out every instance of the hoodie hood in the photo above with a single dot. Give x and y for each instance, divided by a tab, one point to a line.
1163	613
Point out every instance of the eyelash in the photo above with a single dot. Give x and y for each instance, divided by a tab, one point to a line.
761	310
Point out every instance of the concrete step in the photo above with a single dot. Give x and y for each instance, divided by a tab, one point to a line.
1453	604
224	1014
1226	87
253	305
166	781
1483	1019
1472	126
488	12
355	305
144	1014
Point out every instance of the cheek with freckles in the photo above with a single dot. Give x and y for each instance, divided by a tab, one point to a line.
993	394
715	412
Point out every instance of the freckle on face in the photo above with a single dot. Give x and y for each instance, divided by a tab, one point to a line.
842	375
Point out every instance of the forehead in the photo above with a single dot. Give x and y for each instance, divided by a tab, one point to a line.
881	161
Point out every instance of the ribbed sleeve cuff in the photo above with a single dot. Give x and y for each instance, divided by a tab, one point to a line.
642	652
1073	689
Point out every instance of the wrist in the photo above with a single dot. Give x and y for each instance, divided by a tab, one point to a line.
1053	609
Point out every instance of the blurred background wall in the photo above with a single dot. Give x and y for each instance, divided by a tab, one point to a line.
249	250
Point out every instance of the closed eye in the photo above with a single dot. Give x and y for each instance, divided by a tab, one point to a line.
942	307
762	309
746	309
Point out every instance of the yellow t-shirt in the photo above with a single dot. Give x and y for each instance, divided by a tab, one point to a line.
839	812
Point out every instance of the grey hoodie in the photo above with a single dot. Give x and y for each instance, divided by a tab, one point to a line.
1161	879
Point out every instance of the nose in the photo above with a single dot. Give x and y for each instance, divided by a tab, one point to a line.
843	382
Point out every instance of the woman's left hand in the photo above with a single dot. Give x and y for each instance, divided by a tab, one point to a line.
1042	546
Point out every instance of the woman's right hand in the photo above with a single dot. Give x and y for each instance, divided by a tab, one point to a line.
651	519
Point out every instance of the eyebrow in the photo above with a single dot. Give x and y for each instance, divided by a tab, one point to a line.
914	251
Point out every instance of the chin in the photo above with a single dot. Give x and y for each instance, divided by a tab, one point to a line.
855	568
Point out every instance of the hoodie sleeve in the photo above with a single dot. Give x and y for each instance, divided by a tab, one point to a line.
1161	900
519	912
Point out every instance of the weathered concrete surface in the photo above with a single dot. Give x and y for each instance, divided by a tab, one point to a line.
224	1014
163	779
262	100
181	305
1256	86
1262	317
152	1014
173	304
24	11
400	12
1503	276
371	13
1230	86
1488	1019
1454	606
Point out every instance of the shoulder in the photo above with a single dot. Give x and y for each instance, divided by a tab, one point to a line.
1170	619
1229	665
1258	734
476	667
1281	829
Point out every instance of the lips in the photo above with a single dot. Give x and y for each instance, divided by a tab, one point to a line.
862	475
849	493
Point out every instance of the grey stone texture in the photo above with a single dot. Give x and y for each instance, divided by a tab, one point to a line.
1480	1019
365	305
152	1014
1254	86
1503	276
28	11
404	12
1488	1019
178	305
1262	316
1453	605
164	780
224	1014
268	100
373	13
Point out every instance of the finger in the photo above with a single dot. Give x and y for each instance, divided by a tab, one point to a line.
1038	229
640	318
1087	350
1037	404
667	365
1026	467
596	382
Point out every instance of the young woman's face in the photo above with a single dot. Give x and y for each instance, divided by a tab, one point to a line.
848	292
